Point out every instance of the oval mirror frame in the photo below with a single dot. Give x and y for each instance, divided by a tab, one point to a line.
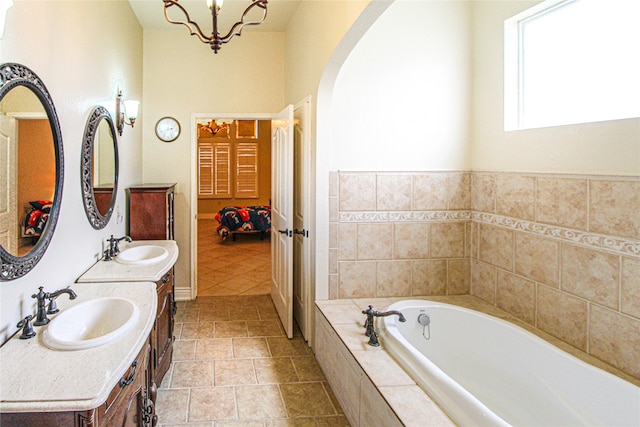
96	218
11	76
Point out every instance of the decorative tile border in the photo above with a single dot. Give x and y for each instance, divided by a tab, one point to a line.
618	245
595	241
405	216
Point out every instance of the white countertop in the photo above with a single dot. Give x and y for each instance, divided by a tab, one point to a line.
113	271
35	378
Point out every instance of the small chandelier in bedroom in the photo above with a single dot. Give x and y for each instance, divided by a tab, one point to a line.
215	40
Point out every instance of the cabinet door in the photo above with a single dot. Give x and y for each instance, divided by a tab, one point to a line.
125	405
164	327
151	212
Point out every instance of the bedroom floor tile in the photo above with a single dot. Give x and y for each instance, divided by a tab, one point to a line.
226	267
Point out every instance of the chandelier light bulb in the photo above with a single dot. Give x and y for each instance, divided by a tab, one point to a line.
215	3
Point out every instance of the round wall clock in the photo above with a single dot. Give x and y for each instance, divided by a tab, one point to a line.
167	129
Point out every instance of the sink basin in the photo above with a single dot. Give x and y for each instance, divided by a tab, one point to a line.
91	324
146	254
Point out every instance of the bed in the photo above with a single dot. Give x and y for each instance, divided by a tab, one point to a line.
243	219
36	218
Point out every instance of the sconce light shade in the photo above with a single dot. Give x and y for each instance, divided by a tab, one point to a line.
5	5
131	109
125	110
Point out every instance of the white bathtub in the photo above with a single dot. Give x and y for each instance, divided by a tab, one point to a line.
485	371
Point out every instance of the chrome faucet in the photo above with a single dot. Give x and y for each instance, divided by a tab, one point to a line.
113	249
370	325
42	296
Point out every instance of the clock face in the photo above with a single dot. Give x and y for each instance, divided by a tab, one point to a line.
168	129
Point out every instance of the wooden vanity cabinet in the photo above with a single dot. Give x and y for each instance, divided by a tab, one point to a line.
127	405
151	208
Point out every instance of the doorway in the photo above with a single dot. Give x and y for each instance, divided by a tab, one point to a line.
247	245
233	198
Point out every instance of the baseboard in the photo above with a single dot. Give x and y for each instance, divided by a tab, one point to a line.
182	294
207	216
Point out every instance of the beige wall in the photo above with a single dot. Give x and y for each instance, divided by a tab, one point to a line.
403	103
310	43
611	147
82	64
182	76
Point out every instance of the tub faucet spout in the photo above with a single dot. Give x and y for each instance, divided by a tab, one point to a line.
391	313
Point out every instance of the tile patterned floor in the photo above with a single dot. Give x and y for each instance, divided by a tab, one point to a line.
233	364
226	267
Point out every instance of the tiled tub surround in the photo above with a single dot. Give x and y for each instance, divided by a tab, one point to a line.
559	252
370	386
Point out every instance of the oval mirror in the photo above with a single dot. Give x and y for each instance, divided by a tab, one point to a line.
99	167
32	156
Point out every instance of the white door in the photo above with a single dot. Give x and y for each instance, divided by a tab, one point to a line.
282	216
8	185
302	300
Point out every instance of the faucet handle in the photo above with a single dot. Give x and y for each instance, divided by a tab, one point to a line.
27	328
53	306
41	295
116	248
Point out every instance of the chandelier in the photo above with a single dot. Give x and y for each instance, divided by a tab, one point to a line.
215	40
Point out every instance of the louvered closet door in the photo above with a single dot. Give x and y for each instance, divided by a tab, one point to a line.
247	170
205	169
214	169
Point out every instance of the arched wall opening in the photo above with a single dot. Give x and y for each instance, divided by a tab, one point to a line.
323	140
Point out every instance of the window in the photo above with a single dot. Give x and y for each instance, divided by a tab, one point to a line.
572	61
222	163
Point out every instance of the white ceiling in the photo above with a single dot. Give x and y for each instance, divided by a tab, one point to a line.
150	14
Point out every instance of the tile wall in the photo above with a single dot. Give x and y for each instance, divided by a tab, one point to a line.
399	234
560	252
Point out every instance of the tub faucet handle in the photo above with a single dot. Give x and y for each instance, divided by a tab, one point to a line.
368	323
373	340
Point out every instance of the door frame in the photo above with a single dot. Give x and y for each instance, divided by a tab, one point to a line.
192	292
183	294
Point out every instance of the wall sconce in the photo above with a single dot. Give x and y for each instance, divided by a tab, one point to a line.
5	5
215	40
125	110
